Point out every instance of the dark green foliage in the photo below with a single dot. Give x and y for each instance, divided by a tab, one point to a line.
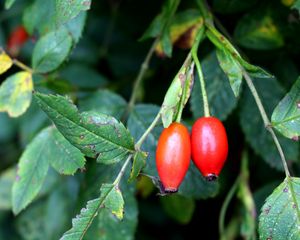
72	165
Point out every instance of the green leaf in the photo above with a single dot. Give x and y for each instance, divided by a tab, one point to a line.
93	133
286	116
180	87
296	5
280	215
139	120
182	31
83	76
154	29
114	200
106	226
76	25
104	101
166	43
5	62
255	71
252	125
40	15
67	10
258	30
32	170
232	69
68	158
110	198
27	224
222	43
160	27
7	179
195	186
111	228
8	128
220	96
16	93
179	208
263	192
161	22
139	162
44	218
9	3
31	123
49	146
63	199
51	50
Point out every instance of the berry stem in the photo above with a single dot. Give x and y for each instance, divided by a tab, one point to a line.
146	133
209	21
199	71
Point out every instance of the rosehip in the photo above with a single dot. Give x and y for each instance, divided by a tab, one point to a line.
16	40
173	156
209	146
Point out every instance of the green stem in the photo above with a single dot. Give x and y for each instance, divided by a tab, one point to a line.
200	73
205	12
22	66
266	120
140	76
146	133
122	171
225	206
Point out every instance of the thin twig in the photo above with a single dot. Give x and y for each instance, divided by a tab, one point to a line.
137	82
122	171
266	120
22	66
226	204
146	133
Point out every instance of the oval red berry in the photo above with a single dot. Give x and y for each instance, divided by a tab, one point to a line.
173	156
209	146
16	40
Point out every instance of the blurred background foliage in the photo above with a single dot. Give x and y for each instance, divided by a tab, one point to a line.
99	74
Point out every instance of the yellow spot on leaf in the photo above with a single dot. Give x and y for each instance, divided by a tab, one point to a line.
16	93
5	62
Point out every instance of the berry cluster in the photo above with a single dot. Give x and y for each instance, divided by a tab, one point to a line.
207	146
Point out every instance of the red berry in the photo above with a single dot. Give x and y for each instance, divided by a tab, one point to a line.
209	146
16	40
173	155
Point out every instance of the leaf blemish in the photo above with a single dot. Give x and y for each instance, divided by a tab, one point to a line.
182	79
17	178
81	136
295	138
285	189
267	210
86	3
92	147
298	105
